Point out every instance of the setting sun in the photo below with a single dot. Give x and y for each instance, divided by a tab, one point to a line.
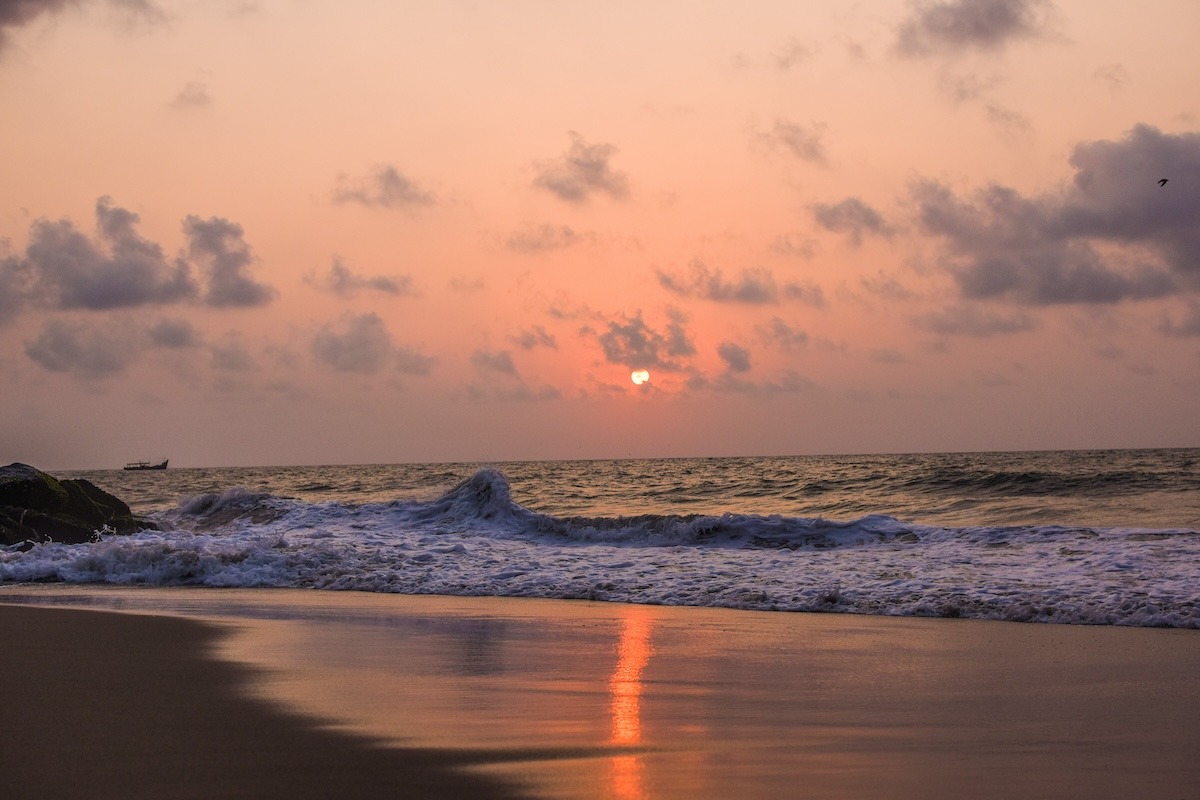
640	376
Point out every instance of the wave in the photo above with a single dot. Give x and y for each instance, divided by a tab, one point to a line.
475	539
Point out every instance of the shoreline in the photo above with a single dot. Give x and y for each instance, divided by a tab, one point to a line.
576	699
105	704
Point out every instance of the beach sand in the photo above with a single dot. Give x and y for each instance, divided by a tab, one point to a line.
473	697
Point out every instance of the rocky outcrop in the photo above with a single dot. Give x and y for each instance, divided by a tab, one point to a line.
36	507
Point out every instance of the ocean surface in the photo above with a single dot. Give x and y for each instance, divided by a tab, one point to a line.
1092	537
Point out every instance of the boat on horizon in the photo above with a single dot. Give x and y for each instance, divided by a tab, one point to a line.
140	465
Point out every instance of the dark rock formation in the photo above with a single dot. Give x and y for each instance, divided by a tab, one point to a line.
36	507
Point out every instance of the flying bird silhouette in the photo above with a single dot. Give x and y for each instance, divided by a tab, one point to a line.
1162	182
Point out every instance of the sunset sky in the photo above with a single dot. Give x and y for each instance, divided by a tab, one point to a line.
292	232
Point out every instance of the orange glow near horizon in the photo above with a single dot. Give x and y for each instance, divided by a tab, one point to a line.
625	689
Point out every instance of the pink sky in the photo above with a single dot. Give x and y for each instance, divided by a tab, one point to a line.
300	232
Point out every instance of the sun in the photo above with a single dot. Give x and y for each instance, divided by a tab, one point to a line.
640	376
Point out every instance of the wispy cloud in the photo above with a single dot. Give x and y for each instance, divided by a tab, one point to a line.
804	142
344	282
753	286
383	187
582	171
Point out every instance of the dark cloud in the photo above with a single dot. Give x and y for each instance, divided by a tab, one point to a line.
959	25
736	357
358	344
972	321
852	217
633	343
87	351
778	332
544	238
584	170
219	245
799	141
755	286
383	187
361	343
173	334
494	361
534	337
342	281
18	13
1095	241
120	270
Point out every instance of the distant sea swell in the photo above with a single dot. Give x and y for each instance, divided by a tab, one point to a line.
1099	538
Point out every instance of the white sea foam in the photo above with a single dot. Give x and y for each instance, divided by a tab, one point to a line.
475	540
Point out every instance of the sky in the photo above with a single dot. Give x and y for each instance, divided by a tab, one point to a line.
239	232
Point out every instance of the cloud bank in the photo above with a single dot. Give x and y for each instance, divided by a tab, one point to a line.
1113	234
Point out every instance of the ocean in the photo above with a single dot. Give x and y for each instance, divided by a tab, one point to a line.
1086	537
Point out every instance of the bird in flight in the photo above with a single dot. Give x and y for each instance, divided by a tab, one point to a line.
1162	181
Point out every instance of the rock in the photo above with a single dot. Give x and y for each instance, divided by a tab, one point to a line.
36	507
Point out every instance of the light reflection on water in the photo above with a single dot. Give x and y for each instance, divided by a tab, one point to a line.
625	688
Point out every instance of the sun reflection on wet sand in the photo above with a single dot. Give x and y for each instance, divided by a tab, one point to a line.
625	688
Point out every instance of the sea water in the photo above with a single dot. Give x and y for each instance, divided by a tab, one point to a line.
1097	537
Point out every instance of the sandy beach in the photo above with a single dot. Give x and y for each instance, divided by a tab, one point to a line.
223	693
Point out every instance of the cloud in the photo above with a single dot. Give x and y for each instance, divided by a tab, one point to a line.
219	245
972	321
1114	76
87	351
120	270
778	332
231	355
755	286
18	13
955	26
793	52
1095	241
15	286
799	141
852	217
343	282
173	334
736	357
411	361
534	337
361	343
1189	325
583	171
494	361
383	187
636	345
789	381
358	344
535	239
193	95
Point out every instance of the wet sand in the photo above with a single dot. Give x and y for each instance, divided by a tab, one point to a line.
585	700
122	706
